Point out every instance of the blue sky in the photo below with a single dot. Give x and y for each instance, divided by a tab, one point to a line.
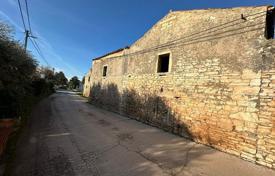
72	32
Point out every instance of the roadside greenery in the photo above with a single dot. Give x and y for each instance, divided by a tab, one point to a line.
22	84
60	79
74	83
20	78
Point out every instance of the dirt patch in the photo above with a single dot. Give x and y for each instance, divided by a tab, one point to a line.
103	123
85	112
80	110
115	129
125	137
90	114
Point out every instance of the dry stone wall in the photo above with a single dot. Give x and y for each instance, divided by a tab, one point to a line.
219	90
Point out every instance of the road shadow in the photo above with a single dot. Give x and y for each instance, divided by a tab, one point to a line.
170	155
106	143
148	108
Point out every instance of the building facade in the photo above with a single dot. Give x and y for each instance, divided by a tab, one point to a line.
208	75
87	84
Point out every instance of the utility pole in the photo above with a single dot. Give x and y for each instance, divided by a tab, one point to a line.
27	35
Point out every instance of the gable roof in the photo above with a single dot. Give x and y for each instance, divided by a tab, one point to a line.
178	19
112	52
189	22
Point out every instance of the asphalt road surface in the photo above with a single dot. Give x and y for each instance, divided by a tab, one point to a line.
69	137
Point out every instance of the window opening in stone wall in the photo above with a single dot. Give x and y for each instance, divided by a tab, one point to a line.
104	71
89	79
270	20
163	63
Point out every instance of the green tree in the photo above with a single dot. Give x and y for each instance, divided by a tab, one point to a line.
5	31
18	75
47	73
74	82
17	69
60	79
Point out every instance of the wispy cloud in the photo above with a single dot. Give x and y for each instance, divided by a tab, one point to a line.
11	21
12	2
46	47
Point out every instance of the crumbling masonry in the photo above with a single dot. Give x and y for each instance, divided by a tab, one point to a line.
208	75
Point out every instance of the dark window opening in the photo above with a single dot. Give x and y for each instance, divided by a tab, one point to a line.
104	71
163	63
269	31
89	78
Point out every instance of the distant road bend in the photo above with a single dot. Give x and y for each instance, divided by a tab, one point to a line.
68	137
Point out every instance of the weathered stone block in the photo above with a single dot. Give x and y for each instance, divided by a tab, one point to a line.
248	157
245	116
255	82
250	150
249	74
264	130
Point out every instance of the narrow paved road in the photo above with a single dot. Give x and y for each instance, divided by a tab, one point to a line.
69	137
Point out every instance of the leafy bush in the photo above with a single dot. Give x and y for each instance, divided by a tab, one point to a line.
19	79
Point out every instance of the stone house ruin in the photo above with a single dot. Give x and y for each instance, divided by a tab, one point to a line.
208	75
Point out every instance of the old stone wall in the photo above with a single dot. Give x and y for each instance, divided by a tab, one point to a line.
87	84
265	148
219	90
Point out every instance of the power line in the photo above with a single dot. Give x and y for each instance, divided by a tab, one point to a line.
198	37
221	25
209	30
207	35
20	8
28	33
196	40
39	52
28	16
